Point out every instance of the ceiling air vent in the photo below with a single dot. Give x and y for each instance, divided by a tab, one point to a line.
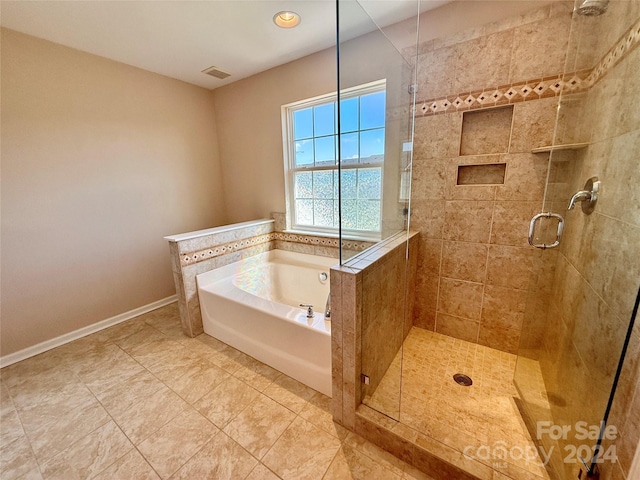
216	72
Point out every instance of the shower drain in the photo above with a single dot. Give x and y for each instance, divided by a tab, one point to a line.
462	379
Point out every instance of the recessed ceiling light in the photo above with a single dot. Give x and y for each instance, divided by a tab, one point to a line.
286	19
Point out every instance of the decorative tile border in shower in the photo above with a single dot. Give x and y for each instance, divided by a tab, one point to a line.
533	89
190	258
621	49
528	90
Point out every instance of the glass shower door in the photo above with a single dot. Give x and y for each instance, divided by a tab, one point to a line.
581	294
375	174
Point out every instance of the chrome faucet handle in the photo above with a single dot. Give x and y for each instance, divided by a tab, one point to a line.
581	196
588	196
309	309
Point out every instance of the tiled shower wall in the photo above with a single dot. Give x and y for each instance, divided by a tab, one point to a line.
489	96
368	321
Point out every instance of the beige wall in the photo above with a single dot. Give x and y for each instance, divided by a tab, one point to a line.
100	160
249	127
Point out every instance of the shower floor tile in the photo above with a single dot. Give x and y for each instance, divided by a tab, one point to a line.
141	400
480	420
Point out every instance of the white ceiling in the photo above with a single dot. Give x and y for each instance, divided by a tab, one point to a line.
180	38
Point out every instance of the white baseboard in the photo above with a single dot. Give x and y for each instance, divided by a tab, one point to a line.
25	353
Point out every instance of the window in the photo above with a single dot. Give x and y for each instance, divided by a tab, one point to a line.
311	163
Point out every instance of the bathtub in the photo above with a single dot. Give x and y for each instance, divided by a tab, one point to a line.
253	305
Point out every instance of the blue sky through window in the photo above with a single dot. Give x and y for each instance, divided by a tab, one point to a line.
314	131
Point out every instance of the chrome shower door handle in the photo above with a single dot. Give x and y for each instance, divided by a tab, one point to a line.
532	226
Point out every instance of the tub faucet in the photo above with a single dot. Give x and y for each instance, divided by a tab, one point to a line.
309	309
327	308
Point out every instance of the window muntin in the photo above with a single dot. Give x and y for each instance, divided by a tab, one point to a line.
311	140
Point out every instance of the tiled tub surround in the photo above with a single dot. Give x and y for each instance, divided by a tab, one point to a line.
198	252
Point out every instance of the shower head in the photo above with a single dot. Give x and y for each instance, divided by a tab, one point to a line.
592	8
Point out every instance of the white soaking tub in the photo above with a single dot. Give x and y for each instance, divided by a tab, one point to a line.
253	305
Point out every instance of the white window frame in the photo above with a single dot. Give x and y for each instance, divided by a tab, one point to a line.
288	148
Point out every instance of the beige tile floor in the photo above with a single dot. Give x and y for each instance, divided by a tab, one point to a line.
142	401
425	398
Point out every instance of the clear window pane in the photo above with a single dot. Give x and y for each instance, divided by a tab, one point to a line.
349	115
349	148
304	212
323	184
324	120
369	183
323	213
369	215
304	152
325	150
302	124
372	110
372	145
303	185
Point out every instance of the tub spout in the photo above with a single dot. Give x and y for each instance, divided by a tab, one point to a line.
309	309
327	308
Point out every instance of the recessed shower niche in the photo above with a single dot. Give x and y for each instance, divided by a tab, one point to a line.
482	174
486	131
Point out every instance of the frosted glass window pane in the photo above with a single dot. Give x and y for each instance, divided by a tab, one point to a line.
369	183
349	148
303	185
304	152
349	183
372	110
372	145
349	115
304	212
324	120
323	184
302	124
369	215
323	213
349	214
325	153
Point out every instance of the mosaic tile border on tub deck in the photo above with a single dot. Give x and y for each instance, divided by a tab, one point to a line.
191	258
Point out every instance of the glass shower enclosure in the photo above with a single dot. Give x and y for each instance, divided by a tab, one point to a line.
501	131
580	308
365	56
